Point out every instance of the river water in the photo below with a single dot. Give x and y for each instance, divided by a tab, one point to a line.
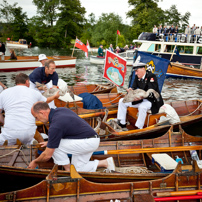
87	73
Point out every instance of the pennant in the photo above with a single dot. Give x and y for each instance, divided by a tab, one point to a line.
118	32
155	64
81	46
114	68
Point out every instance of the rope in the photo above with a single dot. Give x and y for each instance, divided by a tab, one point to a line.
112	100
193	111
2	156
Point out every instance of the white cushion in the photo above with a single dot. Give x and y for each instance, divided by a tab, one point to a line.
165	161
68	98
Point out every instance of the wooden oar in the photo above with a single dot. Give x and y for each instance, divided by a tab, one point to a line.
178	193
153	150
83	116
146	150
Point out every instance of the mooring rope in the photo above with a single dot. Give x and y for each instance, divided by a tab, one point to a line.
2	156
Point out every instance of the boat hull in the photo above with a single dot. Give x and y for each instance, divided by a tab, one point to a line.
177	70
31	62
100	61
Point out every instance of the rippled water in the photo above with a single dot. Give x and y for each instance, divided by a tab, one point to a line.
87	73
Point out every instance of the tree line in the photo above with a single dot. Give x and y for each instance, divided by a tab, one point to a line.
58	22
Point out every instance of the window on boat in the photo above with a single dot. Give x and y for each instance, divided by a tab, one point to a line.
181	49
189	49
151	48
169	48
158	47
199	50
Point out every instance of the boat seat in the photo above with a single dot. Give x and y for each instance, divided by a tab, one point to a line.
151	119
165	161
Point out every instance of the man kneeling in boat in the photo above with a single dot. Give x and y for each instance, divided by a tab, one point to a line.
17	102
68	134
144	80
45	75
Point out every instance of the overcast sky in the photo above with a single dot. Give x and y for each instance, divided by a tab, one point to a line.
121	7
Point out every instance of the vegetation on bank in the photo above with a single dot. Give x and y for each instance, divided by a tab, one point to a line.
58	22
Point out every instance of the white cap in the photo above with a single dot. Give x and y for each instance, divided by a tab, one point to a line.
42	57
138	65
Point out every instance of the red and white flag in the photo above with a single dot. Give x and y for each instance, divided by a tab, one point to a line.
118	32
81	46
88	47
115	68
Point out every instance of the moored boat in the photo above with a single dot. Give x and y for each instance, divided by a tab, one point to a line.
189	112
75	187
93	88
130	167
178	70
31	62
128	55
20	44
189	48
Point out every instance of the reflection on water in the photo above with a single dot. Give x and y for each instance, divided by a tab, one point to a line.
87	73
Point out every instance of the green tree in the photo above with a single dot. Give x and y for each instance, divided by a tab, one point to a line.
47	9
145	14
70	19
105	29
13	20
172	16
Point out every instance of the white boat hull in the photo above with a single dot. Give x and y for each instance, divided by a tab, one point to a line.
20	46
16	65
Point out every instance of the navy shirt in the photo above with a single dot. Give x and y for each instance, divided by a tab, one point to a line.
66	124
39	75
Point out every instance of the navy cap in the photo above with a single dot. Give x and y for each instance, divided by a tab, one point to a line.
138	65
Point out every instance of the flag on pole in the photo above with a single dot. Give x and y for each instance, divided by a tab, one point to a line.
88	47
155	64
81	46
114	68
118	32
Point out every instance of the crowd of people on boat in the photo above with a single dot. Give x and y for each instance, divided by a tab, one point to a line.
117	49
190	34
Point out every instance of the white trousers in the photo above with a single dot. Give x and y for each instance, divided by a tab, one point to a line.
26	136
143	107
48	85
81	150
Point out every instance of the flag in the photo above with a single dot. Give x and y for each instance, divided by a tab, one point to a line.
114	68
155	64
88	47
177	52
81	46
118	32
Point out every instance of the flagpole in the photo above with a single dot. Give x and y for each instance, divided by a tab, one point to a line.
116	40
173	53
74	48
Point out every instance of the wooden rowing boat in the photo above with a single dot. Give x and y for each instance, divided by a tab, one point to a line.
130	167
189	111
178	70
76	188
93	88
31	62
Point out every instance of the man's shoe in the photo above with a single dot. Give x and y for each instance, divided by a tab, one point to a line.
120	124
111	164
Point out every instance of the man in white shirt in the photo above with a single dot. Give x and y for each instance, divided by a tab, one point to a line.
17	102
